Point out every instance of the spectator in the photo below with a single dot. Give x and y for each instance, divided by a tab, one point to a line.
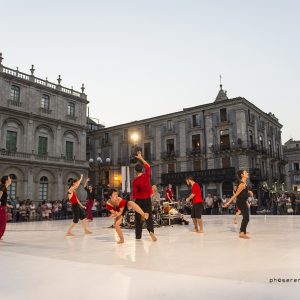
209	203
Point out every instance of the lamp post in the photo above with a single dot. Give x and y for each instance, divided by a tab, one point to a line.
99	164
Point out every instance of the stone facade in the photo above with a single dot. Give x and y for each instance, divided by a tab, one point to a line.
223	136
291	151
42	136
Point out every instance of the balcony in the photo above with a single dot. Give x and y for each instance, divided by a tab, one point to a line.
168	131
45	111
71	117
193	152
169	155
16	103
45	158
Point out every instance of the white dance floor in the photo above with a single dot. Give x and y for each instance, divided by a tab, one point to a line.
38	262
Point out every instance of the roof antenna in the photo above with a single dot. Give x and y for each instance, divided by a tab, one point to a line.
221	81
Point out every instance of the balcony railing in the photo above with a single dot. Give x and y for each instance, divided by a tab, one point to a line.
169	155
38	157
70	117
45	110
193	152
14	103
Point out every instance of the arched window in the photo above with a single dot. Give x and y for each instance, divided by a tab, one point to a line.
45	102
251	138
71	109
12	189
261	142
44	188
15	93
270	148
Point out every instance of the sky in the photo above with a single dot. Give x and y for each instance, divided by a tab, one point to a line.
143	58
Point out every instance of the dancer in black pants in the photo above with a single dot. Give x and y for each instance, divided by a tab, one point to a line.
141	193
241	195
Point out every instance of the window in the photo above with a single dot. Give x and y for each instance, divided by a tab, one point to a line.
196	144
147	130
223	115
197	165
44	188
195	121
43	145
263	166
251	138
12	189
71	109
106	137
125	134
170	146
171	168
147	151
169	125
69	150
106	178
297	179
15	93
226	162
297	145
296	166
278	151
249	115
224	139
261	142
45	102
270	148
11	141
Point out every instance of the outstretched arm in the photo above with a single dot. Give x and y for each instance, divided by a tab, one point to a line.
76	185
86	183
239	190
140	158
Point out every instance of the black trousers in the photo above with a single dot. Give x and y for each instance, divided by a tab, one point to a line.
242	206
145	205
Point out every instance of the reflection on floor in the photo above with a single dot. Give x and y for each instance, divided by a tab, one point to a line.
38	262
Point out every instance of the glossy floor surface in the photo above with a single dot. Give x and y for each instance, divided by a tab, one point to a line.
38	262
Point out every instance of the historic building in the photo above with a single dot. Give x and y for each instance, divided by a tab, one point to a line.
210	141
291	152
42	136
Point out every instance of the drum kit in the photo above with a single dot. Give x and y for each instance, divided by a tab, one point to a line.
163	213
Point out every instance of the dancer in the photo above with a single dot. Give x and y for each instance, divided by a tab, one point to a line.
5	183
197	207
241	195
90	199
141	193
117	207
78	213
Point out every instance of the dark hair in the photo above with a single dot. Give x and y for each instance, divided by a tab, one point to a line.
72	182
239	174
4	179
190	178
110	192
138	168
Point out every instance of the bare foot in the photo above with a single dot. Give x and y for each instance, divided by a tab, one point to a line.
195	230
120	241
244	236
146	216
153	237
69	234
87	232
201	231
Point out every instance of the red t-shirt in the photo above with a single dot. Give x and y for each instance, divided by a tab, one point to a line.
196	190
169	194
117	209
141	185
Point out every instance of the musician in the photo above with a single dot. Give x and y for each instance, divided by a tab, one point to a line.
169	193
155	197
141	193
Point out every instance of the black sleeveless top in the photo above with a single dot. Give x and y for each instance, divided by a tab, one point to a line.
243	195
3	189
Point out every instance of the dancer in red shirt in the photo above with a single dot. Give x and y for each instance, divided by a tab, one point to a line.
117	207
197	207
141	193
77	208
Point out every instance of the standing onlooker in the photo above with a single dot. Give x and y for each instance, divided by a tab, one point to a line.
209	203
216	204
91	197
169	193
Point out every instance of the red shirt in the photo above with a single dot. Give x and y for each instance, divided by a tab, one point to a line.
141	185
74	198
117	208
196	190
169	194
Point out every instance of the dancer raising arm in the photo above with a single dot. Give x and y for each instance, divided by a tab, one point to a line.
77	208
5	183
241	195
117	207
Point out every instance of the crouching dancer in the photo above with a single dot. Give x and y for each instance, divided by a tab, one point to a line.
117	207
